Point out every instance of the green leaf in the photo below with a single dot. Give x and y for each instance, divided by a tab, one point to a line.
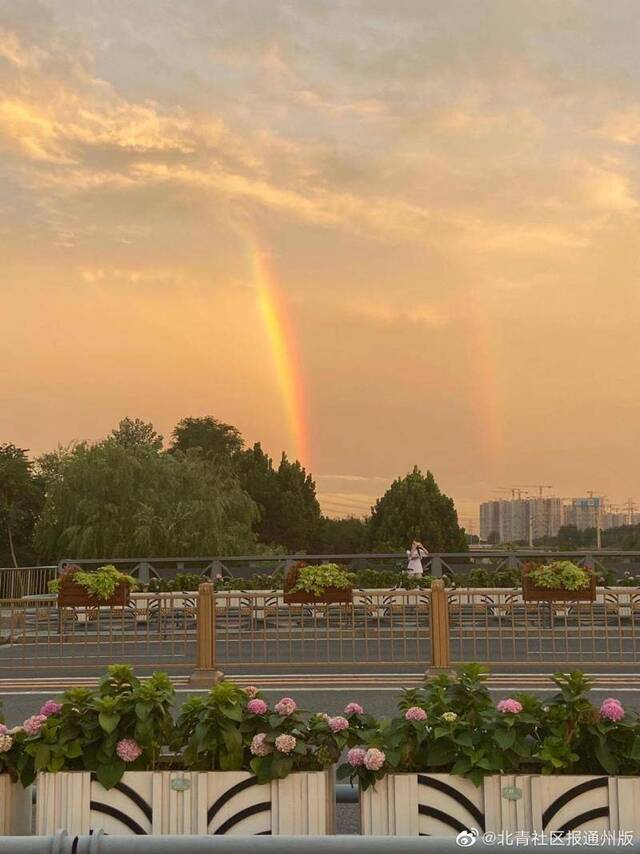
41	757
110	773
505	738
73	749
462	766
108	722
606	758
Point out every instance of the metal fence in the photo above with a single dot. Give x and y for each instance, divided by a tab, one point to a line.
499	627
379	627
154	631
405	629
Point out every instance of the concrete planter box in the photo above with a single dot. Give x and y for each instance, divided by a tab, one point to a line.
445	805
15	808
182	802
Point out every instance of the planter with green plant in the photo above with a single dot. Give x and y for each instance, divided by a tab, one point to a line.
15	800
455	761
558	581
106	586
325	584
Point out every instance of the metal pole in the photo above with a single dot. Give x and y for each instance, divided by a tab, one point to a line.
101	844
206	673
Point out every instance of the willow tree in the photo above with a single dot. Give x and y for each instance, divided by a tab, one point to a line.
114	499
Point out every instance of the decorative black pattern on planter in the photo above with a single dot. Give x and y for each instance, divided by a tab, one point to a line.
137	799
570	794
459	798
96	806
449	820
584	817
225	797
240	816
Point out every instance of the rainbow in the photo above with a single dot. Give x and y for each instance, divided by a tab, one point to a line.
272	303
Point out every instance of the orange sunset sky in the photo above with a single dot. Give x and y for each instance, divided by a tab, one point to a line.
372	233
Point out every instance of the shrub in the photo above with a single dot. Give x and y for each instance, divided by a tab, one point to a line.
316	579
560	574
101	583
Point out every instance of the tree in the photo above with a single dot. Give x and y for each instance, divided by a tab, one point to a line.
286	498
117	500
134	432
21	497
212	437
341	536
413	508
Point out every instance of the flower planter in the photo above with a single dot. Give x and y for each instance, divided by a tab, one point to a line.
445	805
182	802
15	808
74	595
331	596
531	593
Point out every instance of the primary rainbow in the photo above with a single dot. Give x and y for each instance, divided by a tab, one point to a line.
273	307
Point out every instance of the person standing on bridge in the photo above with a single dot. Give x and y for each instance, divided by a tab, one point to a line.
415	555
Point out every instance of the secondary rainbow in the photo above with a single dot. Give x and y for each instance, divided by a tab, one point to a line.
274	309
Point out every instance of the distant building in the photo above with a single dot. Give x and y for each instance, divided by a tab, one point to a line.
584	512
511	519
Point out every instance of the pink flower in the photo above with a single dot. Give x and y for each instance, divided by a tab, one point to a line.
257	707
258	745
3	729
33	725
128	750
50	708
286	706
251	691
285	743
509	706
612	709
374	759
353	709
415	713
356	756
338	723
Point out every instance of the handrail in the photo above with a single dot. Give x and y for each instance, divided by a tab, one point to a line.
100	843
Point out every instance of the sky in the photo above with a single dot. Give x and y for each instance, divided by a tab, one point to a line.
371	234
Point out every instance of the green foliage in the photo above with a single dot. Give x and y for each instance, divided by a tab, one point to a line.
414	508
181	582
212	438
84	735
341	536
286	498
560	574
316	579
21	498
121	500
103	582
136	433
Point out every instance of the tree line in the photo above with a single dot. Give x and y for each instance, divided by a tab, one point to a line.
205	493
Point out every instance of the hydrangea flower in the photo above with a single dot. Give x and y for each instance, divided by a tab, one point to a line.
338	723
374	759
612	709
257	706
449	717
509	706
286	706
4	729
251	691
415	713
33	725
353	709
259	747
50	708
128	750
6	742
285	743
356	756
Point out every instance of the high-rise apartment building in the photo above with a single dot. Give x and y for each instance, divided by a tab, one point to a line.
584	512
511	520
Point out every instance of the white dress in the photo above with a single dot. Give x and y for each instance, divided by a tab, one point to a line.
414	567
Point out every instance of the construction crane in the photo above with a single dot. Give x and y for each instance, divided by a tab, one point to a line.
538	486
514	490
